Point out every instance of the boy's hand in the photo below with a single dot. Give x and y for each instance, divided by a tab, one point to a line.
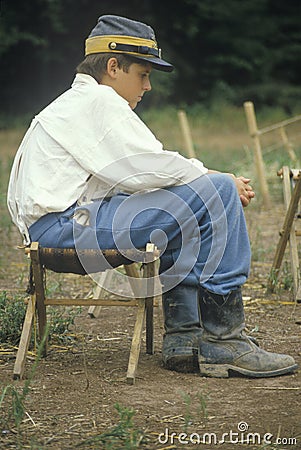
245	191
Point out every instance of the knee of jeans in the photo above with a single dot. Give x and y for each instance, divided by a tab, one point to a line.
223	182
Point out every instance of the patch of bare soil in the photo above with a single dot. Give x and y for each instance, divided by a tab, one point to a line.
72	397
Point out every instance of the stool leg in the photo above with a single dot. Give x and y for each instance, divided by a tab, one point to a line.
19	366
133	273
136	342
145	307
40	292
149	273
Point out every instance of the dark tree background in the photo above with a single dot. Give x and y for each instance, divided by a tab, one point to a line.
232	50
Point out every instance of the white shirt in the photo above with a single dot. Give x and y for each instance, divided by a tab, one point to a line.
87	144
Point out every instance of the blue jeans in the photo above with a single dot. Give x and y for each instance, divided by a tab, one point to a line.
199	227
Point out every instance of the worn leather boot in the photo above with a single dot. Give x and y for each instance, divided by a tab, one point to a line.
182	329
225	348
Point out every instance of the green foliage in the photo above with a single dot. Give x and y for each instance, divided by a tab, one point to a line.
122	436
5	220
287	278
281	280
15	28
12	313
15	410
12	399
229	50
220	47
61	319
199	400
272	93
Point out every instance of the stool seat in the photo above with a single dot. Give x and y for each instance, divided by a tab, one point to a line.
85	261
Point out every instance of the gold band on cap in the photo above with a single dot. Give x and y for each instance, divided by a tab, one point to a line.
104	44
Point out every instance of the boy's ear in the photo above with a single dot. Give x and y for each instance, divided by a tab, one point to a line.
112	66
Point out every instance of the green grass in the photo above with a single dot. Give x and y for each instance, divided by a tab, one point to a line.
12	313
5	220
13	398
123	436
199	402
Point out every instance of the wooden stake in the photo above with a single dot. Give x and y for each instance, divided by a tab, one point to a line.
292	236
254	133
188	143
285	234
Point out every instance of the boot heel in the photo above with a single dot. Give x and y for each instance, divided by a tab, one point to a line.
214	370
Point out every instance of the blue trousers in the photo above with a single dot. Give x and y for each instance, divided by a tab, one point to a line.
199	227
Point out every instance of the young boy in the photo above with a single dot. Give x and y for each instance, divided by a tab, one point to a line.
89	173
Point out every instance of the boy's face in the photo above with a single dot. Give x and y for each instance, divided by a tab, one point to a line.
130	85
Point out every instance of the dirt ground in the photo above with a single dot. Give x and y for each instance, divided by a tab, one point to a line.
73	396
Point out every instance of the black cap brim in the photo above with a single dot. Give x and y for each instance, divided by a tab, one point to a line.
157	63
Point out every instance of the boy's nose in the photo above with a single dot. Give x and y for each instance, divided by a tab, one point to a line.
147	86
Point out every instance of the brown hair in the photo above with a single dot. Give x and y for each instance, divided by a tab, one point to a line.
96	64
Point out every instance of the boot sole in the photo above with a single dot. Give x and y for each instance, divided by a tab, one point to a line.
225	370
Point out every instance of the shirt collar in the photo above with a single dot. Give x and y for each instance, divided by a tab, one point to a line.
82	78
88	80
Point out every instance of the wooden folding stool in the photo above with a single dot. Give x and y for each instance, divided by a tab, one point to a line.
292	193
82	262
